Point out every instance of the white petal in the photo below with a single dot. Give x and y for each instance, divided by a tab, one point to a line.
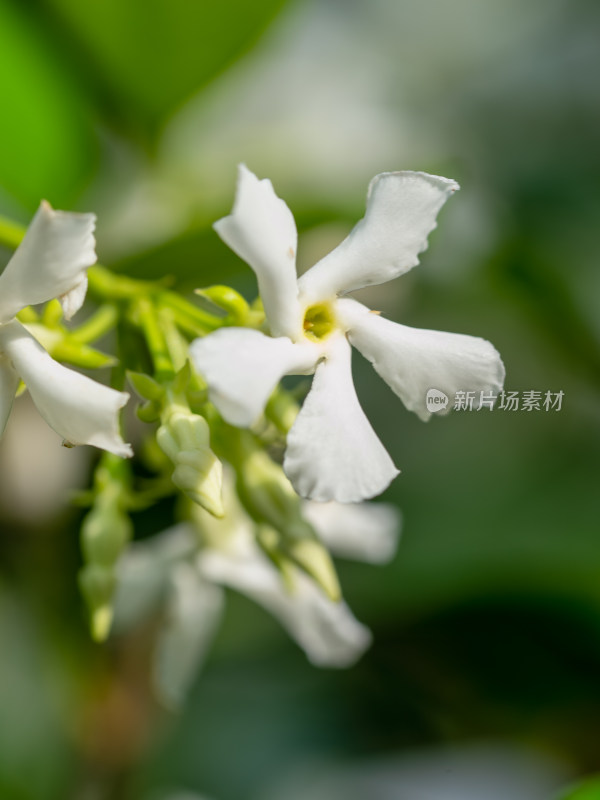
72	301
361	531
50	261
194	610
401	212
332	451
262	231
412	361
143	573
9	381
76	407
328	632
242	367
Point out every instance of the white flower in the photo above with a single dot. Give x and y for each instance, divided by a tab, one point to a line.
332	450
50	262
171	565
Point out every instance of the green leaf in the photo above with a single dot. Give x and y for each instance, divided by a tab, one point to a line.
589	790
47	144
192	258
146	57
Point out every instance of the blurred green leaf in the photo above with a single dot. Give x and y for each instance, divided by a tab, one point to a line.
46	144
145	57
589	790
192	259
543	291
195	257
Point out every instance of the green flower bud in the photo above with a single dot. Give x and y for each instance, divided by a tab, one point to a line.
104	534
282	409
149	411
185	438
313	557
268	496
97	585
308	554
271	501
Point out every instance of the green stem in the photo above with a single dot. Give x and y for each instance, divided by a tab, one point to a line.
97	325
157	345
176	344
105	284
188	316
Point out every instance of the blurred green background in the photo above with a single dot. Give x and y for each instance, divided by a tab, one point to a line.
487	623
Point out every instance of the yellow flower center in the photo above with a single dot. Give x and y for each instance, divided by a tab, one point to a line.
319	322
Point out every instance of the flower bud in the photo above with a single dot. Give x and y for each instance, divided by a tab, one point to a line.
97	584
185	438
105	532
271	501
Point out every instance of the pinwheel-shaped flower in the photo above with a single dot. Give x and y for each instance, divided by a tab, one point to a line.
332	451
51	262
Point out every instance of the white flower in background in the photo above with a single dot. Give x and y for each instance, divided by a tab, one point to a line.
51	262
332	451
359	531
192	579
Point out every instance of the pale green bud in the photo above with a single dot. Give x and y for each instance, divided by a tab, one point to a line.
271	501
104	534
185	438
313	557
97	584
269	497
149	411
282	409
308	554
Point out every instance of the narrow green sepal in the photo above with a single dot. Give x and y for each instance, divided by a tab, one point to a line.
149	411
182	379
145	386
197	399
